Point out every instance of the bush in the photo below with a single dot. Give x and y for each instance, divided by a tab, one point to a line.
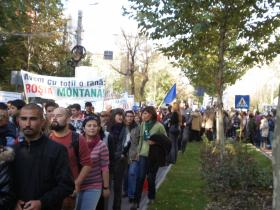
235	181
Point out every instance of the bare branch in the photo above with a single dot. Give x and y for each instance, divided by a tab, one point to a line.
118	70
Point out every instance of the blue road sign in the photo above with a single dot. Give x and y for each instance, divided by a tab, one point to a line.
242	101
199	91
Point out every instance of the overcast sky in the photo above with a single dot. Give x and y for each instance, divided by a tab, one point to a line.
102	21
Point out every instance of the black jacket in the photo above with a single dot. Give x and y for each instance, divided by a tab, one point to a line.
42	173
159	151
116	143
7	196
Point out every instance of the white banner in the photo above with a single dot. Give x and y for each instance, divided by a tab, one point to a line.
126	102
59	88
9	96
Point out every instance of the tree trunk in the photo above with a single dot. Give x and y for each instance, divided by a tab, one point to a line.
276	159
220	125
132	83
219	117
142	88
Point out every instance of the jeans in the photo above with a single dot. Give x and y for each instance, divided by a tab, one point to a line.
174	148
88	199
146	168
270	138
257	139
133	171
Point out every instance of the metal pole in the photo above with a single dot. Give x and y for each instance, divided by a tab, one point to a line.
79	28
29	53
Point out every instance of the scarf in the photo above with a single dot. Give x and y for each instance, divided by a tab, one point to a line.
147	127
93	142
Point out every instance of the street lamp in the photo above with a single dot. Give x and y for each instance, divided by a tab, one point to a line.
77	54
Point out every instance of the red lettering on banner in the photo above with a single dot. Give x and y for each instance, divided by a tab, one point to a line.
27	87
33	88
38	89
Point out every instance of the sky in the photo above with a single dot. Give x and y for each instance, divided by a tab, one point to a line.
102	22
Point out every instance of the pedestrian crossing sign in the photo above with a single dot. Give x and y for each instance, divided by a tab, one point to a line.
242	101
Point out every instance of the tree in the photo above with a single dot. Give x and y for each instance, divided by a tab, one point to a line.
131	46
31	37
137	59
215	42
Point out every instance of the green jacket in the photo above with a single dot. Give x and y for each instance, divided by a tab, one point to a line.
143	147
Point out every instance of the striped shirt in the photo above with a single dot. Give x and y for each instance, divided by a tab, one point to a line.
100	162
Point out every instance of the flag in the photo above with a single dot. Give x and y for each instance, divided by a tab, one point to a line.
171	95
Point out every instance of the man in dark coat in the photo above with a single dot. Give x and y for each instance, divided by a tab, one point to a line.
41	166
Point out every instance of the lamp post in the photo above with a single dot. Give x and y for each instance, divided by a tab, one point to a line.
77	54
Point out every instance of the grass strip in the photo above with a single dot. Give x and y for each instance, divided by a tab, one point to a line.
184	187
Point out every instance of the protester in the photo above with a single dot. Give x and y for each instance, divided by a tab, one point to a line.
271	124
78	151
97	181
7	196
137	118
148	128
77	117
187	122
50	106
133	130
209	121
264	128
173	133
104	117
8	131
252	127
41	167
243	125
118	144
89	109
15	107
196	125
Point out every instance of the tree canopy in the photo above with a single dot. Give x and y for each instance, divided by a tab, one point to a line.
31	37
207	37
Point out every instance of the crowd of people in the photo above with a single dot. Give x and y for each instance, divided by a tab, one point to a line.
55	158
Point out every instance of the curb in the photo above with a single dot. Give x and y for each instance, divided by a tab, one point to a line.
263	152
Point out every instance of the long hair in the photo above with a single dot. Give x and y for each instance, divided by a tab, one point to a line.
112	122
